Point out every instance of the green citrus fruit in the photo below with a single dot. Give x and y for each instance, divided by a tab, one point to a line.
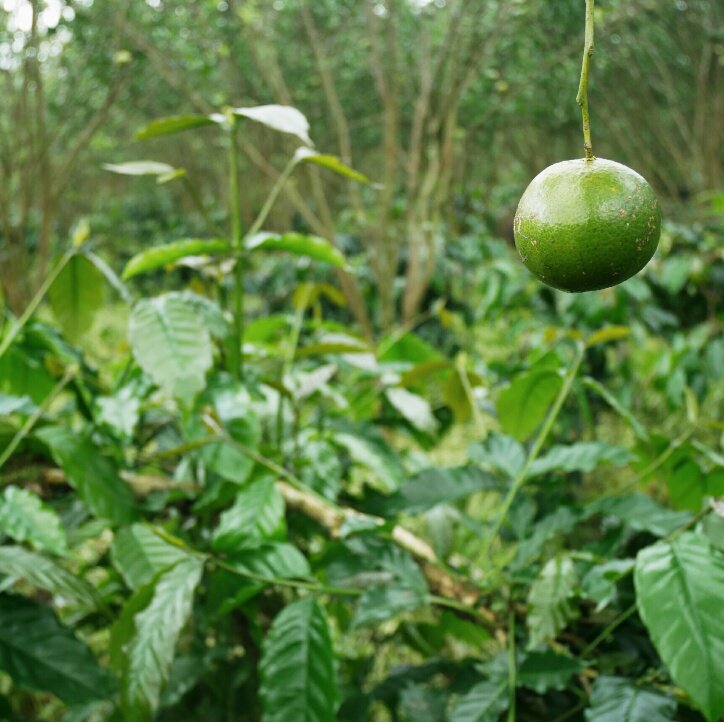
584	224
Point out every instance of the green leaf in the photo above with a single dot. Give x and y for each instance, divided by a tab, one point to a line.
156	257
380	603
152	649
614	699
687	486
298	680
523	405
171	343
257	513
93	476
41	654
139	554
174	124
139	167
299	244
75	296
282	118
485	702
499	453
583	456
330	162
549	600
600	582
24	517
541	671
679	591
413	408
642	513
209	311
44	573
434	486
369	449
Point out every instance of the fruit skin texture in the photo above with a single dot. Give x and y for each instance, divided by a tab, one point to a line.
582	225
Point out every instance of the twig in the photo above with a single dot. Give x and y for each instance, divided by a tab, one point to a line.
582	97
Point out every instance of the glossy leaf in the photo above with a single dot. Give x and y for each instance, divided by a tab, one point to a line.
93	476
523	405
614	699
330	162
156	257
380	603
39	653
541	671
174	124
297	670
39	571
25	518
282	118
485	702
549	600
157	628
369	450
257	513
679	592
75	296
140	554
298	244
171	343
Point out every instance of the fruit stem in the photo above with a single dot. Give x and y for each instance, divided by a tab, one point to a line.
582	97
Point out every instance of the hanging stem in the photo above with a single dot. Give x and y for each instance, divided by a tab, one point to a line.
582	97
237	357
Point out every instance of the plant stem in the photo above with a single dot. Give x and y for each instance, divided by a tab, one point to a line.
237	246
512	671
582	97
540	440
33	305
618	621
272	197
30	422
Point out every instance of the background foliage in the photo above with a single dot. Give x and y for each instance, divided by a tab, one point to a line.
426	487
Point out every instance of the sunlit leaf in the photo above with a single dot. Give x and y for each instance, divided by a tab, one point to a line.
174	124
331	162
156	257
283	118
523	405
298	244
140	167
24	517
549	600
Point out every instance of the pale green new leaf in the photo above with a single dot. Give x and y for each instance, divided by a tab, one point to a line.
298	681
152	649
679	593
139	554
93	476
298	244
39	571
75	296
549	600
282	118
485	702
330	162
413	408
156	257
614	699
40	654
25	518
174	124
371	451
257	513
171	343
139	167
